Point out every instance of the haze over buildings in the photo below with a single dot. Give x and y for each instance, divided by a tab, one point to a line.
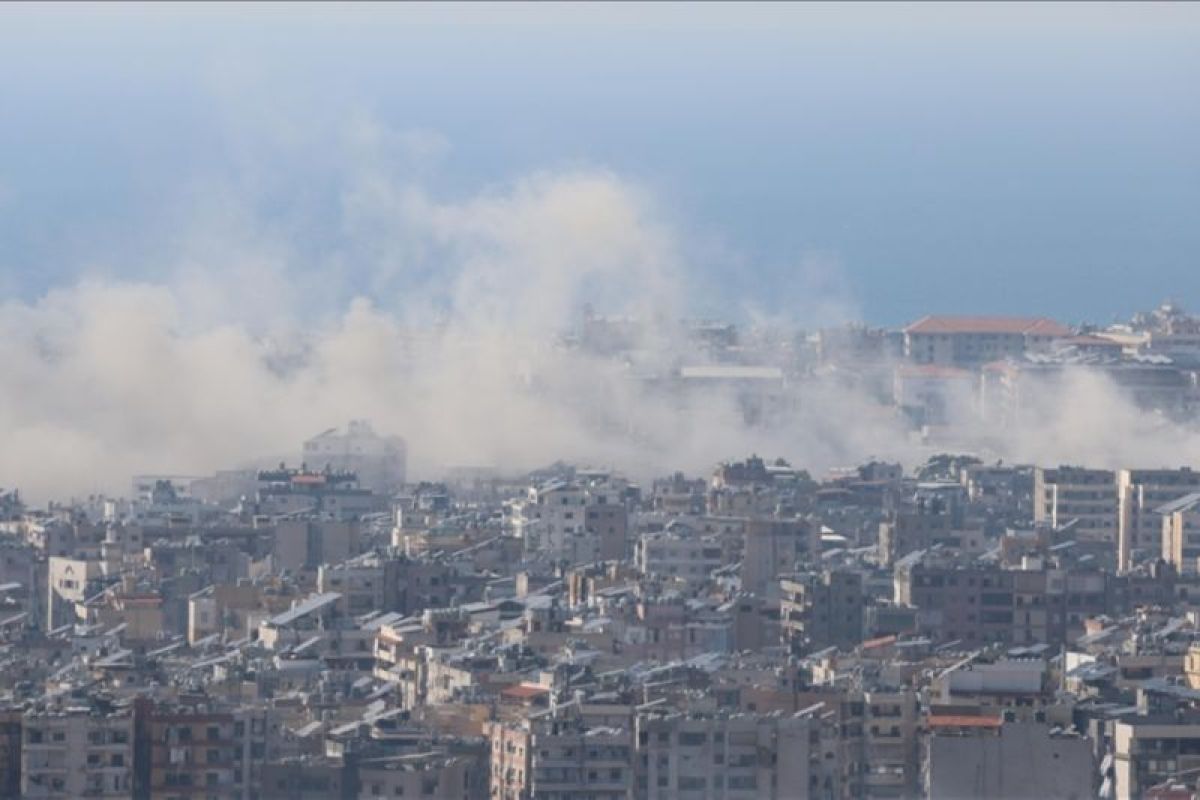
605	402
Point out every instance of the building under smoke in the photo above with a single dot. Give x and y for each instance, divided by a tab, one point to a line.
379	461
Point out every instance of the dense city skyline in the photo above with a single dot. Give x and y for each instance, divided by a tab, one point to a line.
598	401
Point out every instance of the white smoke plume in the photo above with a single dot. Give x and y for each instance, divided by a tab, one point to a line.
250	346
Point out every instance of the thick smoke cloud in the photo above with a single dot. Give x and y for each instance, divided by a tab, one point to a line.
450	340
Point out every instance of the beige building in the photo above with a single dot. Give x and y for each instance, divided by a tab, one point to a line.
1181	533
1191	666
970	341
1150	750
561	754
772	547
70	581
891	753
671	554
1086	497
77	752
1141	493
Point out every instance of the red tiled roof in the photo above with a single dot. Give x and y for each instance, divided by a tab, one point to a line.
1035	326
965	721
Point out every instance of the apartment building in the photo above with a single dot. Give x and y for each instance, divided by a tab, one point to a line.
572	523
976	604
1181	533
191	755
1141	493
77	751
891	720
559	754
726	757
821	609
426	774
772	547
1151	749
971	756
677	554
970	341
1088	498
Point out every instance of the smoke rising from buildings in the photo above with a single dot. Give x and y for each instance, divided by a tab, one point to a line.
452	340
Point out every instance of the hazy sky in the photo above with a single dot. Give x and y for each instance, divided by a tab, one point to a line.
901	159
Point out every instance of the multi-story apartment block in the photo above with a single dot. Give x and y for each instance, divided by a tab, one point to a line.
77	751
977	604
428	774
1141	493
726	757
772	547
973	756
1181	533
890	748
191	754
970	341
558	755
1088	498
675	554
573	523
1151	749
821	609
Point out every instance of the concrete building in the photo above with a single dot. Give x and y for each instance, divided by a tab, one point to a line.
306	544
380	462
726	757
1141	492
572	523
77	751
191	754
891	754
971	341
974	757
1086	497
821	609
10	752
429	774
324	495
1151	749
676	554
557	754
772	547
976	604
70	581
1181	533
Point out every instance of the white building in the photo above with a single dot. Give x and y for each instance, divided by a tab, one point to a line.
380	462
573	522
